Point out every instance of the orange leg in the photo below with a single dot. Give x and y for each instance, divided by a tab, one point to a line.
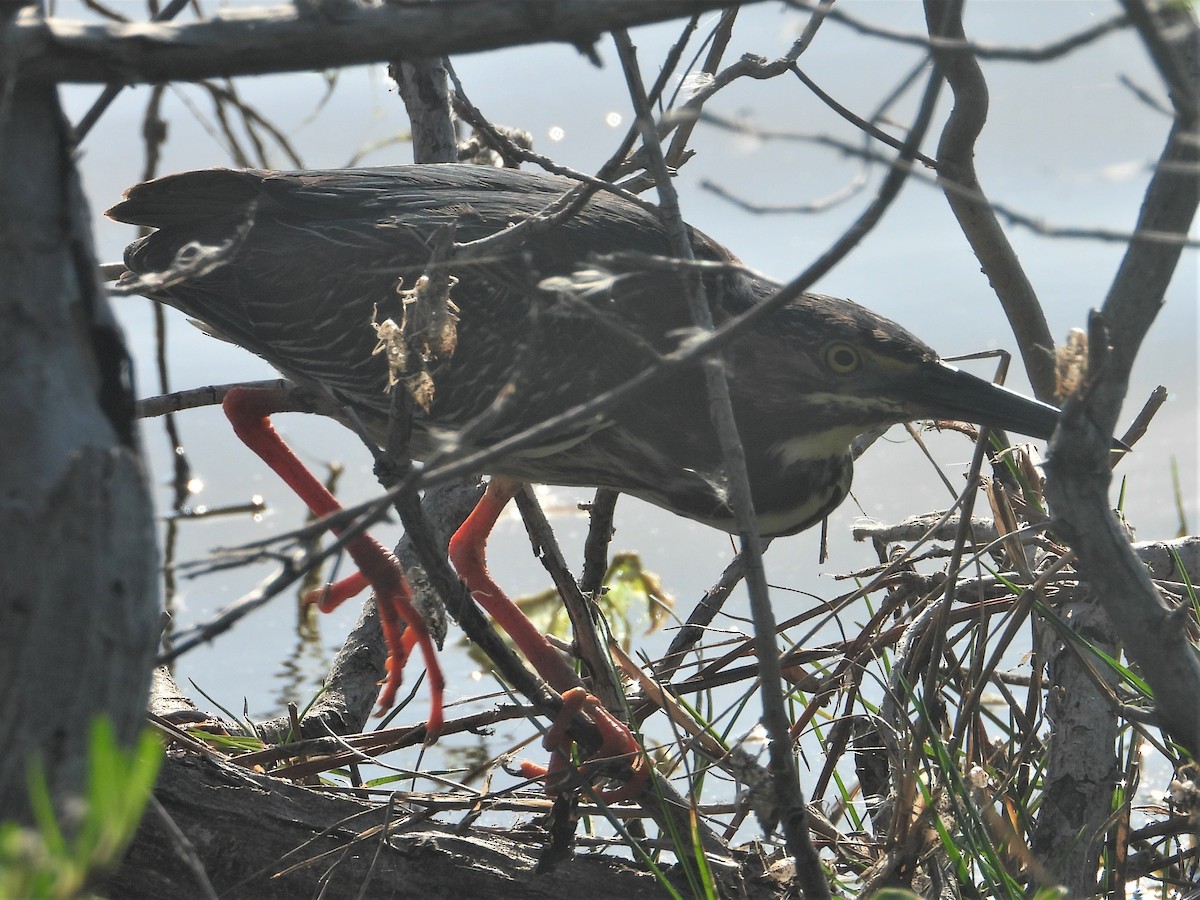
249	411
468	553
468	549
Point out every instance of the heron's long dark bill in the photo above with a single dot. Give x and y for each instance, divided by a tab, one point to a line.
946	392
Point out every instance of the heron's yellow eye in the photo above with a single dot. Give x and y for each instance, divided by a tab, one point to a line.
842	358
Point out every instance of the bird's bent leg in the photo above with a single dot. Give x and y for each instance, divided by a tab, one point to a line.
249	411
468	552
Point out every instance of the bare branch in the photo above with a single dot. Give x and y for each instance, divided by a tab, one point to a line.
1041	53
956	165
287	39
212	395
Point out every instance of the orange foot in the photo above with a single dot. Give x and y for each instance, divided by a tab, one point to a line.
618	746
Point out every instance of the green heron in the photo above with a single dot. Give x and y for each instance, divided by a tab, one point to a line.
313	258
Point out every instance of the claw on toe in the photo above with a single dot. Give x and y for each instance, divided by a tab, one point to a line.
617	745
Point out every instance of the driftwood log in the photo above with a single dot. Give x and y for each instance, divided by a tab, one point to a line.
259	838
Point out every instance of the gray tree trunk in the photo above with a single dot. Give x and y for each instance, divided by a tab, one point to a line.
78	590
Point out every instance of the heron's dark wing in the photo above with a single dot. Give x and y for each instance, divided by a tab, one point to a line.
317	252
